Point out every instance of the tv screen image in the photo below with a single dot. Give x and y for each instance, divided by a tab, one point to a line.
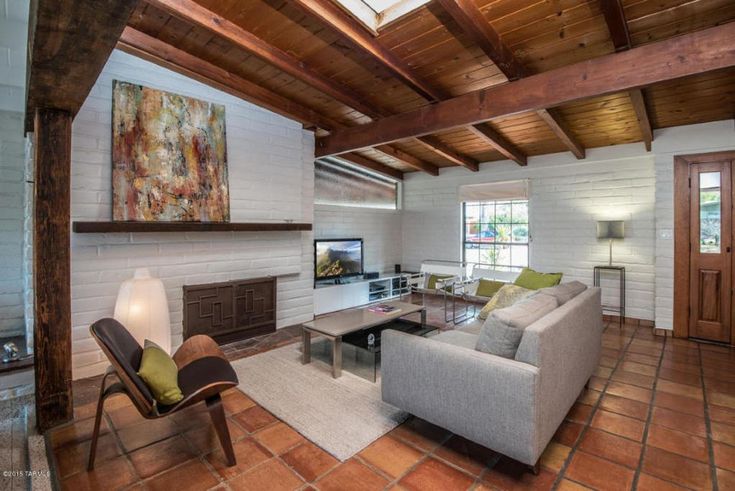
337	258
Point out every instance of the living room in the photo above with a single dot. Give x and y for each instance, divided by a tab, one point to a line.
313	128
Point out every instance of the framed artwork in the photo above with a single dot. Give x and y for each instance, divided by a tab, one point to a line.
169	157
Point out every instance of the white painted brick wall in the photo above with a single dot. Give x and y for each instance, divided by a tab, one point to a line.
379	229
13	34
271	178
567	197
669	142
11	224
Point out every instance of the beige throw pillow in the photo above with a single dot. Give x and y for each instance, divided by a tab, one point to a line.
505	297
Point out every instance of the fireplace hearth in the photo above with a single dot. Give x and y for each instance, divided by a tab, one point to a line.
231	310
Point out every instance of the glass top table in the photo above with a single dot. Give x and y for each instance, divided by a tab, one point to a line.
360	353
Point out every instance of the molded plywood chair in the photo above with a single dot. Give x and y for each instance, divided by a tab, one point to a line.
204	373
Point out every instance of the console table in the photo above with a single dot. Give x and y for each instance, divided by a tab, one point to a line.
620	309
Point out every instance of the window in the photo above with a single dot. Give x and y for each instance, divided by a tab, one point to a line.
340	184
495	234
375	14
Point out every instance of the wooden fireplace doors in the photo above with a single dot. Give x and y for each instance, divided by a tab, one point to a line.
704	269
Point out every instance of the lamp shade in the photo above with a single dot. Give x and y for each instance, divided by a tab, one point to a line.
142	307
610	229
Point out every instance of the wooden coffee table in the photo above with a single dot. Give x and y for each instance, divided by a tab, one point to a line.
334	326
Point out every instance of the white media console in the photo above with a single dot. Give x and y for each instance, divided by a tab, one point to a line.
330	297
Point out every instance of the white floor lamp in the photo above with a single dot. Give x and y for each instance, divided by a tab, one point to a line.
142	307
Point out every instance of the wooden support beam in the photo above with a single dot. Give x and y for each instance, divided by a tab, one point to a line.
163	54
638	99
193	13
618	26
670	59
52	257
614	15
433	143
357	159
332	15
407	159
499	143
469	17
557	124
69	42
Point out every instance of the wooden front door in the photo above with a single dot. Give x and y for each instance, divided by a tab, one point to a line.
710	262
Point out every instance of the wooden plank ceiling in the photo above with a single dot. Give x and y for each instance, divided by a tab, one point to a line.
310	60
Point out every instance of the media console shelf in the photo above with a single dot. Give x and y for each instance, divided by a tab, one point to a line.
329	297
127	227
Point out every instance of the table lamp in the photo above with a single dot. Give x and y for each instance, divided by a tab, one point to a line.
610	229
142	307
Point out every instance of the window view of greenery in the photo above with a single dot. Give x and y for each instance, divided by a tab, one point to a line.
496	235
709	212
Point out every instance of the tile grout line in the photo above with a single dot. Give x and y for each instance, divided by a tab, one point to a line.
708	424
644	441
562	472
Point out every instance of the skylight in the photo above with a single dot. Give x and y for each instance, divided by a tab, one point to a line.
378	13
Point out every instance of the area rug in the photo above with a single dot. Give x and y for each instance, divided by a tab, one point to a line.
342	415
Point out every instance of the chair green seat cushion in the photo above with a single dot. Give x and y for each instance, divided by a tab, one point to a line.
431	284
533	280
160	373
488	288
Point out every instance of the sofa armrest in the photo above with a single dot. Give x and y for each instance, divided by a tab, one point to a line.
485	398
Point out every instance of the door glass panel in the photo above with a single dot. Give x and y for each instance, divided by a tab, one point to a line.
710	212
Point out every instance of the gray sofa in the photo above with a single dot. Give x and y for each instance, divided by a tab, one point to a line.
512	406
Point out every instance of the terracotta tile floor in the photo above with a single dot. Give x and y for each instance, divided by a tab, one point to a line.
659	414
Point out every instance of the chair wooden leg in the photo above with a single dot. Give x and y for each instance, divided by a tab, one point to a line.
217	412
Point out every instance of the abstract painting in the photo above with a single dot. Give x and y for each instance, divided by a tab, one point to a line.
169	157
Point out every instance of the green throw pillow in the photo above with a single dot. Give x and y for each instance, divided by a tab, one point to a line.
158	370
488	288
431	284
533	280
505	297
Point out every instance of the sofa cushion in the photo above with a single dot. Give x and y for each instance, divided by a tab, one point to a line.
506	296
564	292
502	332
432	279
457	338
534	280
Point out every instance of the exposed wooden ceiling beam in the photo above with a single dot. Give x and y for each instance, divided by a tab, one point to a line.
557	124
355	158
69	42
161	53
407	159
499	143
638	99
681	56
332	15
614	15
191	12
469	17
433	143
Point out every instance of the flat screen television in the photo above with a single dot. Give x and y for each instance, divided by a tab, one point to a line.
337	258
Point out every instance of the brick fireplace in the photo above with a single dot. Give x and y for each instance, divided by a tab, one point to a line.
231	310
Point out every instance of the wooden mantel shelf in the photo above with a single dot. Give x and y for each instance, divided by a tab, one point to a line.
125	227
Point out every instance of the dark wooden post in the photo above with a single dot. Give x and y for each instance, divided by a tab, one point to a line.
52	267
